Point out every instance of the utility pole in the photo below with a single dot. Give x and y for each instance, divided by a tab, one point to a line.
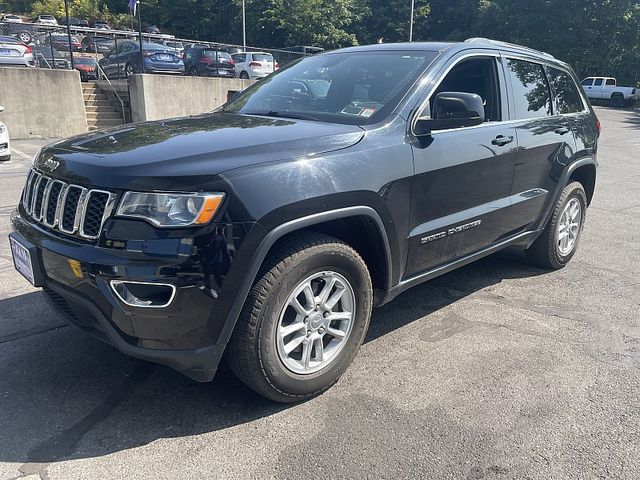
244	26
140	35
66	12
411	22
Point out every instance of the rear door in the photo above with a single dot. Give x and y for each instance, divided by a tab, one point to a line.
545	141
460	193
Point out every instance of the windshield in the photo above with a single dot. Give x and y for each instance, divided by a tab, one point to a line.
352	88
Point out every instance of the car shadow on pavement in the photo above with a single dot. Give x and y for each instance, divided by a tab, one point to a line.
66	395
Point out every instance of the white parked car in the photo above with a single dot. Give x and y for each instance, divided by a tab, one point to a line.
11	18
5	144
606	88
254	64
14	53
46	20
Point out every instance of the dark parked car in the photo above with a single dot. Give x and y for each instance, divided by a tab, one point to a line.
93	44
87	66
48	57
268	230
60	41
126	60
100	25
208	62
74	22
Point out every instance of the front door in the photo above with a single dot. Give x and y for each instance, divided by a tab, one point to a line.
460	192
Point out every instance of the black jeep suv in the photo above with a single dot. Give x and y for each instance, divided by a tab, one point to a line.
267	230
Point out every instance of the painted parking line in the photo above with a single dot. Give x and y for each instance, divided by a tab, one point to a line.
22	154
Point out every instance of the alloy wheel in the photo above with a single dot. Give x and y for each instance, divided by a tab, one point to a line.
316	322
568	228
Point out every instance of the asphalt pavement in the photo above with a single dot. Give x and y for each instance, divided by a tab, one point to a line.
495	371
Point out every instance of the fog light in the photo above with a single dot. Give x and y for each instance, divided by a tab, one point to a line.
144	294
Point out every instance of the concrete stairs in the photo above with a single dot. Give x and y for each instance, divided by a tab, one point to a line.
100	110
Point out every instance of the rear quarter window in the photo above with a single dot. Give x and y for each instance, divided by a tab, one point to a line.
567	97
531	94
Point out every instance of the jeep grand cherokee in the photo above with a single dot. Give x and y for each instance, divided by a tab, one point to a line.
267	230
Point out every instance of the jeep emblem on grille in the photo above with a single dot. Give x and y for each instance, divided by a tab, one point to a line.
50	164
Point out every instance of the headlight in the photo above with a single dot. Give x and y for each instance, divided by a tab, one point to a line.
171	209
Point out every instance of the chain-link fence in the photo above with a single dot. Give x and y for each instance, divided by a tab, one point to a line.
90	50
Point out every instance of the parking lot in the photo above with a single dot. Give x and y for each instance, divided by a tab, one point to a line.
497	370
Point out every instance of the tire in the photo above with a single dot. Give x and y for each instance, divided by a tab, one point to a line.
257	351
193	72
617	100
24	37
548	250
244	75
129	70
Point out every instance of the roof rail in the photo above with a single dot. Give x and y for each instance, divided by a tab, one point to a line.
507	44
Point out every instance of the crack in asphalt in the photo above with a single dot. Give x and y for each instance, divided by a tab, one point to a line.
66	442
30	332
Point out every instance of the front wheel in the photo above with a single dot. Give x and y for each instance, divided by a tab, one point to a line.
558	242
304	320
244	75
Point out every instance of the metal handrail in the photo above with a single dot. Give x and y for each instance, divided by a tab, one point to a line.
100	70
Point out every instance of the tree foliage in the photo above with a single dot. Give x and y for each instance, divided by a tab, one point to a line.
598	37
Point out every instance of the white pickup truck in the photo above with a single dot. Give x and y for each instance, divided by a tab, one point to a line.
605	88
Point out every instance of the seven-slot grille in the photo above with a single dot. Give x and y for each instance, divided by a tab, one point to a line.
72	209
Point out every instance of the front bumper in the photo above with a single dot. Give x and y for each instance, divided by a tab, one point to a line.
76	278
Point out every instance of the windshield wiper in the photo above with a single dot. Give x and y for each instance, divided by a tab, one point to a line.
286	114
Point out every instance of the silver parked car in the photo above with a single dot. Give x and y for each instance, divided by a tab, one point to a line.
15	53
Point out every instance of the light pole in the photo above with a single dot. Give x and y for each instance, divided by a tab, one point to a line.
244	27
66	12
411	22
140	37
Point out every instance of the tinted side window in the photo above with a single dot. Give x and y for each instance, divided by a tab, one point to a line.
598	82
587	82
532	98
568	99
611	81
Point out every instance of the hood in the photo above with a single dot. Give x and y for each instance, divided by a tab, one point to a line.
183	153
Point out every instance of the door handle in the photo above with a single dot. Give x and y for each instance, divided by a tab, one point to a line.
562	130
501	140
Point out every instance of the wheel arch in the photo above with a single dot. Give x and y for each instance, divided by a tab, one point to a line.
325	222
586	175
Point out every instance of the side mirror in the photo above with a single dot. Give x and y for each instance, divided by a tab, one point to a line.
1	108
452	110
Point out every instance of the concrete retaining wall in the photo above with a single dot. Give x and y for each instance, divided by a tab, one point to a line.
155	97
42	103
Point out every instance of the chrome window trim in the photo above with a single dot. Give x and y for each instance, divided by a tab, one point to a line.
441	77
505	55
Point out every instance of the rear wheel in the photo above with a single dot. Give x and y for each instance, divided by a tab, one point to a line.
558	242
617	100
304	320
